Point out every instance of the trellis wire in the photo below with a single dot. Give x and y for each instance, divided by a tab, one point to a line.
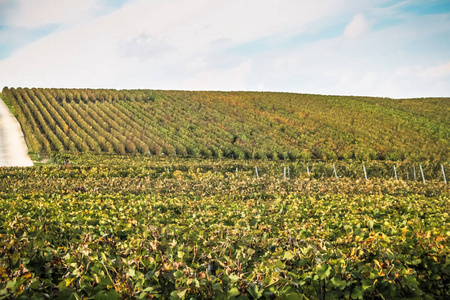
287	174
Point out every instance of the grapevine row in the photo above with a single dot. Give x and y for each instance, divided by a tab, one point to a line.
231	124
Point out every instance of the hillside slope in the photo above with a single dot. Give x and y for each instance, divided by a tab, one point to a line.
233	124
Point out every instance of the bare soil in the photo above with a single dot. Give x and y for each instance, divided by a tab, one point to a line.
13	150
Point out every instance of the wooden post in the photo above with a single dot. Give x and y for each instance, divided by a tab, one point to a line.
395	172
307	169
443	173
421	171
335	174
365	173
237	175
289	174
256	171
284	173
415	176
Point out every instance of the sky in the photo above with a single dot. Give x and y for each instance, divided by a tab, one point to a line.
396	49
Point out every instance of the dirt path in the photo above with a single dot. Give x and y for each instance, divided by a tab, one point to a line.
13	150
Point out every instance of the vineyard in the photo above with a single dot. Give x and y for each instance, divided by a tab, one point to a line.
246	125
110	227
148	194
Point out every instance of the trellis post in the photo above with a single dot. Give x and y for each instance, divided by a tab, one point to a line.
421	171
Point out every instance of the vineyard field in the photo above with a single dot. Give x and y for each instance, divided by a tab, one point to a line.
109	227
149	194
246	125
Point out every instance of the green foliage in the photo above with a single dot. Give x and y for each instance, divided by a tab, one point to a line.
181	229
8	104
111	246
127	174
180	214
244	125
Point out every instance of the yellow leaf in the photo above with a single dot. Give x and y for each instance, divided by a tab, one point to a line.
69	281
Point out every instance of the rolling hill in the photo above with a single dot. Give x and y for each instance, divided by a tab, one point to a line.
243	125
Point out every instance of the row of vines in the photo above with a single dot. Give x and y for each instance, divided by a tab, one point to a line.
125	175
244	125
194	229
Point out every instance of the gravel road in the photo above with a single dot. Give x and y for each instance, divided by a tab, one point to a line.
13	150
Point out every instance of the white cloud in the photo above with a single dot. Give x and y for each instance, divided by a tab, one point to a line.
177	39
369	79
177	44
31	14
359	26
228	79
404	71
441	70
145	47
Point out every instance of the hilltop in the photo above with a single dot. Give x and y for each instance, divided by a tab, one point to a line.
246	125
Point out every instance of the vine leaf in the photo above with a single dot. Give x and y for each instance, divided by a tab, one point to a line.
357	293
323	271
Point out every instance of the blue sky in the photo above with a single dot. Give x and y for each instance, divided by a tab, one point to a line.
354	47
